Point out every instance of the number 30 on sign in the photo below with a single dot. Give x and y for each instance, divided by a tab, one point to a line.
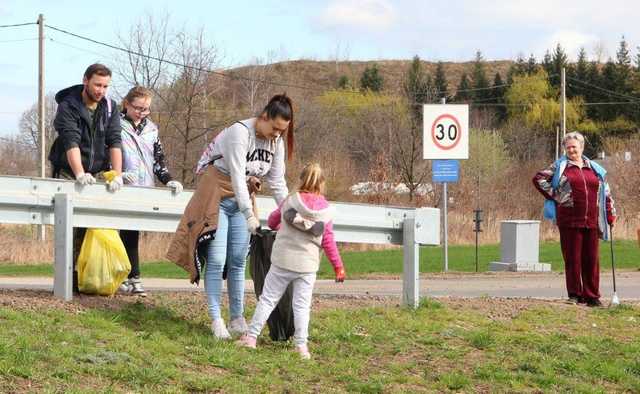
446	131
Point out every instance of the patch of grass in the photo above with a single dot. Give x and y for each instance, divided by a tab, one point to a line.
361	264
164	345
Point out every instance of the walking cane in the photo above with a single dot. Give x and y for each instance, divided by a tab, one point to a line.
614	300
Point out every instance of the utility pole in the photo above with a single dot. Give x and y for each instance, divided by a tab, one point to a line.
445	231
41	105
563	103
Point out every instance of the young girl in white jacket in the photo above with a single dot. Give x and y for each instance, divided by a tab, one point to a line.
304	223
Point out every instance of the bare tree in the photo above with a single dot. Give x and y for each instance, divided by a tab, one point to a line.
148	43
15	159
28	138
253	80
188	114
177	67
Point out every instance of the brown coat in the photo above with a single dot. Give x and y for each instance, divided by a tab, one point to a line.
200	221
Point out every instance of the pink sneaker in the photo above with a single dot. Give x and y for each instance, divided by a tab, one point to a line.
303	351
247	341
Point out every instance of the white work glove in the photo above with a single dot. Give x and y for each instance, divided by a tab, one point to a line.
175	186
253	224
129	177
85	179
115	184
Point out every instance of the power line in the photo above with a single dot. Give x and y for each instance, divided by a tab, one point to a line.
610	92
20	40
177	64
19	24
222	74
74	47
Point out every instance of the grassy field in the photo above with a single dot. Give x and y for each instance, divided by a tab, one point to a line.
163	344
363	264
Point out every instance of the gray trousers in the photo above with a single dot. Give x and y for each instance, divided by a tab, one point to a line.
275	284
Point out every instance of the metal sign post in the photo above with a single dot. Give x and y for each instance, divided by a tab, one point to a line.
477	219
445	171
445	137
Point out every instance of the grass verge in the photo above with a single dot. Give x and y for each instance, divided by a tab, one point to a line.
362	264
163	344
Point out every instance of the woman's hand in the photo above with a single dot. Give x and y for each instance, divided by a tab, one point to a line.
253	224
611	220
340	274
176	187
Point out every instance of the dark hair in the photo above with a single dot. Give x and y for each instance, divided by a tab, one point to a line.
97	68
280	105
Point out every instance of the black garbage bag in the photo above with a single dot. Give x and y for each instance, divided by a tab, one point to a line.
280	321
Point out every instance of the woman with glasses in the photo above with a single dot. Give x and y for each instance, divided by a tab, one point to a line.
214	231
143	161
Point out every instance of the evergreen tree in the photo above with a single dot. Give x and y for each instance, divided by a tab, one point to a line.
416	83
608	81
344	82
582	66
440	83
579	72
371	79
559	61
516	69
462	93
532	66
417	88
547	63
623	68
480	82
498	92
592	95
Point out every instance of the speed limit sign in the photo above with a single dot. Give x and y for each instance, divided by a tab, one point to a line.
446	131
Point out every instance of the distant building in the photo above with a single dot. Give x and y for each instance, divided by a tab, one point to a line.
369	188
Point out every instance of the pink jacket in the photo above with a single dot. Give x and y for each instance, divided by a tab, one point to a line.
314	202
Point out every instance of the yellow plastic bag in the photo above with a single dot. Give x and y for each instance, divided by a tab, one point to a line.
103	263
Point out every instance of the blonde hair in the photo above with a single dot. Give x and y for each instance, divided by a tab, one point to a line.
312	179
136	92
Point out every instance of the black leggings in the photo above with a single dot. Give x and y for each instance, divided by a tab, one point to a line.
130	240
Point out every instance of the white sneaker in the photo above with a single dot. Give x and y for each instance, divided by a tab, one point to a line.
303	351
238	326
220	330
125	287
136	287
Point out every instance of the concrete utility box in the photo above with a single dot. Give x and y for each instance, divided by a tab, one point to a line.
519	247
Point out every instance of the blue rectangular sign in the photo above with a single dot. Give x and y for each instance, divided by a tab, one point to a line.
445	171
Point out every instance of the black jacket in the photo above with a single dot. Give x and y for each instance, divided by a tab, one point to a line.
72	123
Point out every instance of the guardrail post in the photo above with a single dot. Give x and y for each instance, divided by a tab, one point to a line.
411	265
63	265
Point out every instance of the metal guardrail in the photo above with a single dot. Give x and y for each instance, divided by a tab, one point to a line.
65	205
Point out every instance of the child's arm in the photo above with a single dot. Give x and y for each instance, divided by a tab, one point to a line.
275	217
331	251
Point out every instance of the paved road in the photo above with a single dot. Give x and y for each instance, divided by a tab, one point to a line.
538	285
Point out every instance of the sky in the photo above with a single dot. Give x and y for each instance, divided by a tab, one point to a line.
448	30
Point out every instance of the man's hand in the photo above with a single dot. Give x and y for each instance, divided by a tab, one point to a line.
85	179
253	224
175	186
340	274
115	184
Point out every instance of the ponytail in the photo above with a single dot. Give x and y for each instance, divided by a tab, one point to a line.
280	105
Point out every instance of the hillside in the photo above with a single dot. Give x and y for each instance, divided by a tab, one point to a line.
325	74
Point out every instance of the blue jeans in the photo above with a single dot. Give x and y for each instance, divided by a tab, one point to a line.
230	244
